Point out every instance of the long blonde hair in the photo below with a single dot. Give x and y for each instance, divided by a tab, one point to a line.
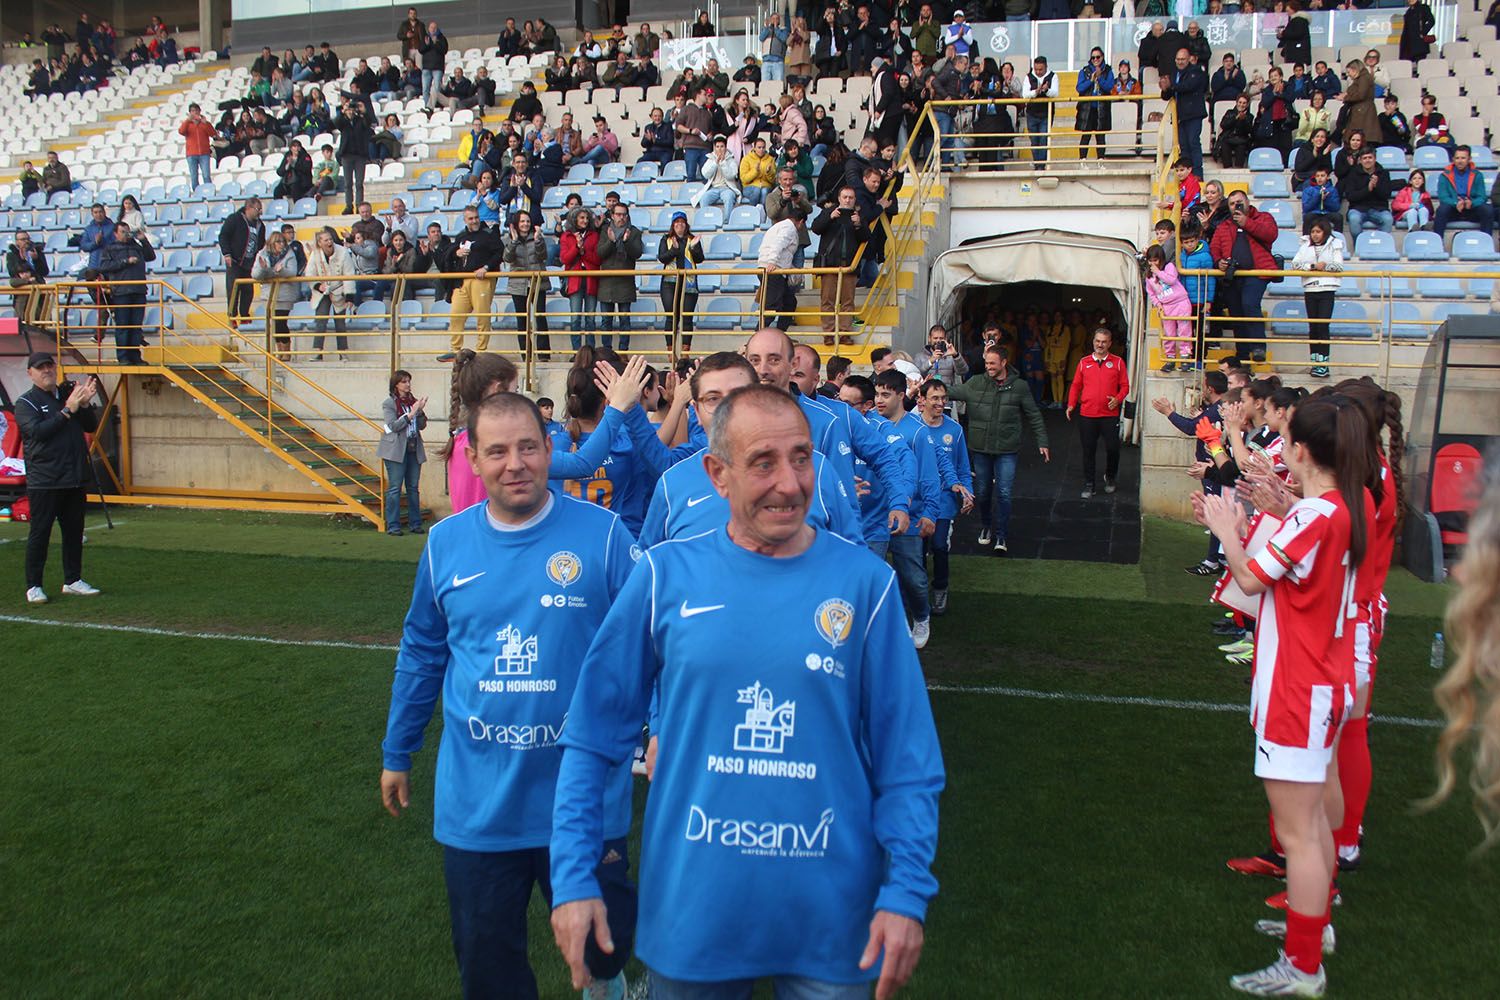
1469	693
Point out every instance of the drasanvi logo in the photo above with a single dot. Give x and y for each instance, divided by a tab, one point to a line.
762	837
1000	38
834	620
767	725
564	568
517	653
517	735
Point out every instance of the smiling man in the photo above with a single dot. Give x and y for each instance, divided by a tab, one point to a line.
800	768
508	596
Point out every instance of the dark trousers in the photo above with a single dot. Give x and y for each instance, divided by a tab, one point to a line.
543	342
353	169
487	898
780	301
1244	298
1190	139
938	546
129	312
47	506
239	298
1319	306
1215	551
1091	430
682	319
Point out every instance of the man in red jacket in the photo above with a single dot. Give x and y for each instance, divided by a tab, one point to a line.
1244	241
198	133
1100	385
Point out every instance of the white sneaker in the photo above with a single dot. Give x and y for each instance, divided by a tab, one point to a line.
78	588
36	595
1277	929
921	631
1281	979
984	536
1088	491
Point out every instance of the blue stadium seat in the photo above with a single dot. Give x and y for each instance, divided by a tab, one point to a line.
612	173
708	219
1423	245
369	315
654	195
409	313
1270	186
275	209
168	213
592	195
724	246
645	171
56	243
208	259
579	173
675	170
1466	246
427	179
178	261
13	202
1441	313
664	218
1351	321
1282	211
722	313
1430	158
646	315
1264	159
36	200
686	193
745	282
1440	286
649	283
47	220
1391	158
300	317
459	198
1288	319
188	236
436	316
205	192
1482	288
745	218
1290	285
557	314
1483	157
198	212
708	284
1403	319
641	219
1399	286
257	189
199	286
1286	244
1376	245
303	208
554	198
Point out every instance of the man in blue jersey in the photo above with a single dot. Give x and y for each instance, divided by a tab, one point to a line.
508	596
947	436
685	502
837	432
792	822
897	426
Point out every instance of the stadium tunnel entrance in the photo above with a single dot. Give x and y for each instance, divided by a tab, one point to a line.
1099	278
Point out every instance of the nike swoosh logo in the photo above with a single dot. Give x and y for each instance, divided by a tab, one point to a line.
695	501
459	581
688	612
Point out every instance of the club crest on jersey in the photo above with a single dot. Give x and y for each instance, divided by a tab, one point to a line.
564	568
947	439
834	620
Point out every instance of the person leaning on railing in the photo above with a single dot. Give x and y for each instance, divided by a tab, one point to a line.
277	260
525	249
842	229
682	249
330	261
1244	243
26	268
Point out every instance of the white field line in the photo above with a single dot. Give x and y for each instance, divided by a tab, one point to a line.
969	689
86	529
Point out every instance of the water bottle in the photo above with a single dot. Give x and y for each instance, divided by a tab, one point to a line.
1437	651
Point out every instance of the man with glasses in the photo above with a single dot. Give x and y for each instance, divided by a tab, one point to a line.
1243	243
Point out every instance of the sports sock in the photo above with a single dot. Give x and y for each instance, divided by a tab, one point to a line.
1275	840
1304	940
1355	775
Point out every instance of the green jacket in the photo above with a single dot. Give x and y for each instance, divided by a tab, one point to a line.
996	412
924	38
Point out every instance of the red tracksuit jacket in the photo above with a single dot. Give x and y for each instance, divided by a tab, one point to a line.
1094	381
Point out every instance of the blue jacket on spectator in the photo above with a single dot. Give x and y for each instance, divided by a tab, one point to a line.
1320	200
1200	288
1328	84
96	236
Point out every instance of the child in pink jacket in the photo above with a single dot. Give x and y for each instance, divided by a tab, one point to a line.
1171	298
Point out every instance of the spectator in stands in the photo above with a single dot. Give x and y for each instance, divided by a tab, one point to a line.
777	250
262	134
355	136
1188	86
1347	158
1395	130
525	249
289	234
873	204
277	259
1324	81
1431	127
1412	205
799	53
679	248
518	191
830	50
1417	23
386	145
1236	133
656	139
721	178
55	176
841	231
693	126
757	173
1276	118
198	133
647	75
702	27
26	268
601	147
578	248
1366	191
39	83
787	195
434	53
1094	118
1322	201
307	66
585	75
328	64
240	239
30	179
1040	82
279	91
1461	194
862	41
1227	84
124	259
1310	156
795	158
259	90
646	42
1243	242
509	42
401	257
793	123
458	91
1321	255
1314	118
620	73
1296	36
620	245
410	32
132	216
331	262
325	174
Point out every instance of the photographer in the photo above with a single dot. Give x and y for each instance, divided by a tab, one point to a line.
355	136
125	260
53	420
940	361
1244	243
841	230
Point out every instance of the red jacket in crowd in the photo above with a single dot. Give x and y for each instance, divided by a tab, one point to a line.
580	256
1259	227
1096	383
197	135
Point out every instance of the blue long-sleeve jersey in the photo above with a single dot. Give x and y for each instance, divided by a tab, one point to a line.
622	482
499	624
1189	426
841	432
685	503
799	770
927	501
953	458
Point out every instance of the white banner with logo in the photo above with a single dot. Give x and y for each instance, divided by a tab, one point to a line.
694	53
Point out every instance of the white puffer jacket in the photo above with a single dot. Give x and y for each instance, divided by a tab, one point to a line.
1330	254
